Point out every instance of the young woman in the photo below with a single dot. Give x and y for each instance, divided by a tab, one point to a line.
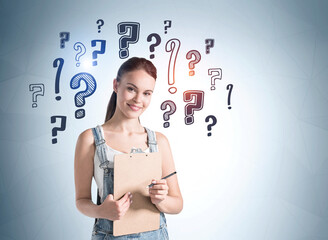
95	149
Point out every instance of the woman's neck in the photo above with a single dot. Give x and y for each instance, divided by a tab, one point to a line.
125	125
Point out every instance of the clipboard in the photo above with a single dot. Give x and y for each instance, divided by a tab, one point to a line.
133	172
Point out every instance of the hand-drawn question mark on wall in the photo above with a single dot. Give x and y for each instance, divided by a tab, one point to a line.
126	40
166	115
194	106
214	77
173	46
193	62
229	87
102	49
60	66
80	96
64	37
81	51
209	44
56	129
100	23
167	26
35	94
152	46
209	126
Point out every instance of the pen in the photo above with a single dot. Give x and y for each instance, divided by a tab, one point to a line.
150	185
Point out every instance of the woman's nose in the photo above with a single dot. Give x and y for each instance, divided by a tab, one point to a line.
138	97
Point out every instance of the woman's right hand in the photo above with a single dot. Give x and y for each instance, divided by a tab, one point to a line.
115	210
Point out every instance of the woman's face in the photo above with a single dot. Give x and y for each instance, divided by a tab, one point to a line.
134	91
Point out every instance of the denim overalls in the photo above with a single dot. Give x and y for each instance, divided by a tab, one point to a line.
103	228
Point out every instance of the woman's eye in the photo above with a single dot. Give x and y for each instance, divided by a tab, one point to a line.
130	89
147	93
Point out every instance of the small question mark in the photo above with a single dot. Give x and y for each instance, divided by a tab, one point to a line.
56	129
81	51
80	96
215	77
209	126
126	40
102	49
55	64
64	37
168	26
209	44
152	46
173	46
194	106
35	94
167	114
229	87
192	63
101	23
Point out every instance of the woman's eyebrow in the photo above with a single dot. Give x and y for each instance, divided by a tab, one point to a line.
137	87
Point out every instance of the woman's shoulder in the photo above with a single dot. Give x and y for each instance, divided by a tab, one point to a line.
161	138
86	137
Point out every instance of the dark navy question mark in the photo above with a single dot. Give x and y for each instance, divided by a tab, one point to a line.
60	66
100	23
80	96
37	93
229	87
102	49
209	126
192	63
152	46
209	44
64	37
126	40
56	129
167	26
194	106
167	114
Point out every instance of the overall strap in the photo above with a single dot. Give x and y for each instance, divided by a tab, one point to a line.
152	143
101	148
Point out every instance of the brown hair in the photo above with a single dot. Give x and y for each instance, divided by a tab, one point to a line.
130	65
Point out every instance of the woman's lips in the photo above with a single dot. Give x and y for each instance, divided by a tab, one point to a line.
134	107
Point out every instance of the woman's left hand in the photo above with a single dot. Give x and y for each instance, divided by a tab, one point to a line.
158	191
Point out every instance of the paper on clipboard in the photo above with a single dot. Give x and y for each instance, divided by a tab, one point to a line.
133	173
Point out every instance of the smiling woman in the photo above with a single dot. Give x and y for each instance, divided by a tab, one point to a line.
95	150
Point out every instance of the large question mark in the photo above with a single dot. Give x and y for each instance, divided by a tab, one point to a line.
209	44
192	63
64	37
37	93
152	46
194	106
214	77
229	87
167	26
80	96
102	49
173	46
56	129
126	40
101	23
209	126
167	114
81	51
55	64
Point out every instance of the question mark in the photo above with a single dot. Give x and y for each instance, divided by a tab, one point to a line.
194	106
229	87
101	23
64	38
81	51
192	63
102	49
152	47
168	26
56	129
80	96
35	94
209	126
209	44
215	77
55	64
167	114
126	40
173	46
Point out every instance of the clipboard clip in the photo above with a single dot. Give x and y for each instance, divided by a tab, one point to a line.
136	150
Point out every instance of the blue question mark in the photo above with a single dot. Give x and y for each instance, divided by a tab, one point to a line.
102	49
80	96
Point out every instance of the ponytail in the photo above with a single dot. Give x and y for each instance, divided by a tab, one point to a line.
111	106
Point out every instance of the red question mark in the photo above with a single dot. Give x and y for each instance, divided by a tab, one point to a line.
194	106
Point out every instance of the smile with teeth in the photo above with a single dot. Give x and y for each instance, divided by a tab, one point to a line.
134	107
